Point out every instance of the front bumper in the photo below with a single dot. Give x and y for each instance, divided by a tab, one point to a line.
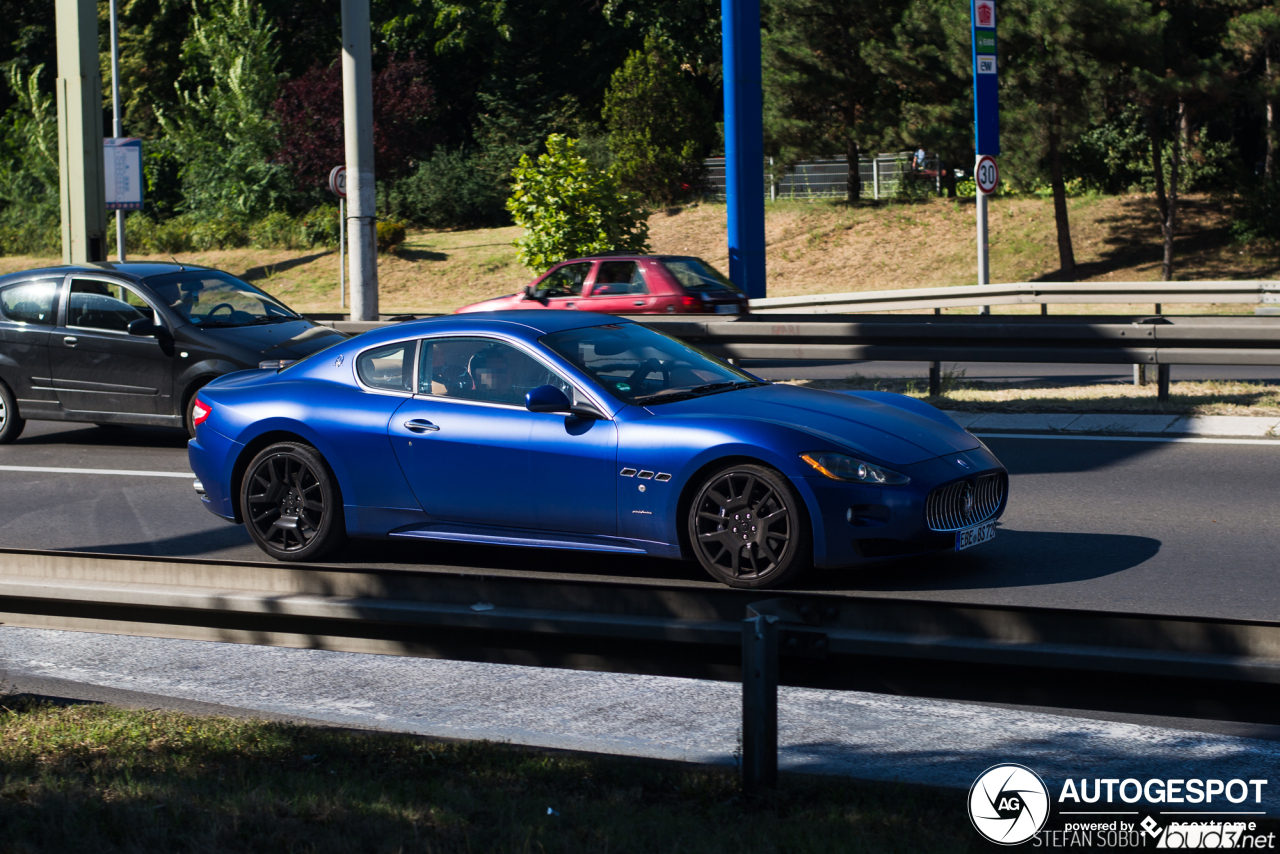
857	523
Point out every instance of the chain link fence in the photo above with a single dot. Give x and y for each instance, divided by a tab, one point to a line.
828	177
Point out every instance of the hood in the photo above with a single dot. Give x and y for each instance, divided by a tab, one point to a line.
495	304
874	427
278	340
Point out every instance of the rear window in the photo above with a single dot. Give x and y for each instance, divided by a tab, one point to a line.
30	302
389	368
694	274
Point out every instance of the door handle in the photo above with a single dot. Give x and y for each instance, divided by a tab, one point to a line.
420	425
568	305
638	302
70	340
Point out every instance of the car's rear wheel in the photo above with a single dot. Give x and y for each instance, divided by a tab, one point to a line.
11	423
291	504
748	528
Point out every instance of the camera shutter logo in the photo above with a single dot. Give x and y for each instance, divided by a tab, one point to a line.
1008	804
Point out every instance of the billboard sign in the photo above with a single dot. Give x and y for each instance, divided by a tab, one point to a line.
122	159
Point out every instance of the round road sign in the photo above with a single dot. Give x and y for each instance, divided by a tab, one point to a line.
987	175
338	181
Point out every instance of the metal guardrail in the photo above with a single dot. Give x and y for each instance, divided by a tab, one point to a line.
1024	293
1159	341
1158	664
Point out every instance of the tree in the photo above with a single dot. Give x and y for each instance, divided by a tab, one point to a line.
311	130
658	128
822	91
1180	75
568	208
1057	61
1254	36
223	128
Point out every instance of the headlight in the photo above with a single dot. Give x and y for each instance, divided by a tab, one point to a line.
852	470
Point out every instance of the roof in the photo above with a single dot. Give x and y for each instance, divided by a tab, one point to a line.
524	323
129	271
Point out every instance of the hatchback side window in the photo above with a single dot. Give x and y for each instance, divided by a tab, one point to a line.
388	368
566	281
108	306
30	302
618	278
482	369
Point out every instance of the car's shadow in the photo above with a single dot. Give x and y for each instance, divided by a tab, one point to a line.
122	436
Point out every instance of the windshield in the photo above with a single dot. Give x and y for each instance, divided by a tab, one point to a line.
694	274
638	365
209	298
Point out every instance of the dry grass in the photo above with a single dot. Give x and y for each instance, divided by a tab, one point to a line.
1211	397
814	247
97	779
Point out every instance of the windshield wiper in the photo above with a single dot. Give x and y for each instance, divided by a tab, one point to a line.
209	324
272	318
673	394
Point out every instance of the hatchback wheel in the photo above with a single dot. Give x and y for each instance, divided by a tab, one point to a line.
748	527
291	503
11	423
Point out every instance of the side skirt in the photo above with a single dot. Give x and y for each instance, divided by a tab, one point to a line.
529	539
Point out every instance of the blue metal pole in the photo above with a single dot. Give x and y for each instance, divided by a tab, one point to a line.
744	143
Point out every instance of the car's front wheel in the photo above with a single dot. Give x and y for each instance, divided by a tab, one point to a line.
291	503
748	528
11	423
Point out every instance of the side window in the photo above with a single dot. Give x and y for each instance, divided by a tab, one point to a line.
30	302
566	281
618	278
389	368
109	306
482	369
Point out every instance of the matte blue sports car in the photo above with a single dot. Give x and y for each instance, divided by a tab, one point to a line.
574	431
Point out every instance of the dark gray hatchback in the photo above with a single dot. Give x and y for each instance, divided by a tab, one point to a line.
132	343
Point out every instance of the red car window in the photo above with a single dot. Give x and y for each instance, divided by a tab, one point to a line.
565	281
618	278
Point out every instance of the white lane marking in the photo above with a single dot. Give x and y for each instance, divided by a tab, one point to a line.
1183	440
130	473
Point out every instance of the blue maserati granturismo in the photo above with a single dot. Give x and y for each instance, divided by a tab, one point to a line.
575	431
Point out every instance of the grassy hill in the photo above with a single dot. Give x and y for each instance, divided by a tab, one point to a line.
814	247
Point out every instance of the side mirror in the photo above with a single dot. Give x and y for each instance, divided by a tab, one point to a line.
143	327
547	398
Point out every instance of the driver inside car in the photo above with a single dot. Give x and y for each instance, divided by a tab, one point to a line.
490	373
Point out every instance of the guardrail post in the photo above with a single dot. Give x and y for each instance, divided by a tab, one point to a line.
935	379
759	702
1162	383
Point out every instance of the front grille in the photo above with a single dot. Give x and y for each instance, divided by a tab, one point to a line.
965	502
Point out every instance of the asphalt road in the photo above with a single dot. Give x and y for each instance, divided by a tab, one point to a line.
1147	527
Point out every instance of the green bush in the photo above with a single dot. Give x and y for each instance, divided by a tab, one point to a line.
319	226
29	235
451	190
658	127
1258	215
276	230
568	208
390	235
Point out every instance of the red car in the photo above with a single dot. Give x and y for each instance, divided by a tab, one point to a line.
628	284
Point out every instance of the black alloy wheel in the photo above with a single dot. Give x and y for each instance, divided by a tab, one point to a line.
748	527
291	504
11	423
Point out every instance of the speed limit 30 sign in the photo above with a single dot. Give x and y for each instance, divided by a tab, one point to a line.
987	175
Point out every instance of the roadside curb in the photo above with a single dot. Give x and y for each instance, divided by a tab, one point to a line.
1244	426
1117	423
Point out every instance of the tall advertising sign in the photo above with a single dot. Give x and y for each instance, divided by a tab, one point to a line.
986	100
122	169
986	122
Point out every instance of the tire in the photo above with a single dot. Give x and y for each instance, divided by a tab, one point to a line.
748	527
291	504
189	411
11	423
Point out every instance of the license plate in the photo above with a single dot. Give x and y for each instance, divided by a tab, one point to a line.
976	535
726	309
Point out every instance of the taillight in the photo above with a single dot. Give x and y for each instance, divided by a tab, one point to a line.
200	412
689	302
